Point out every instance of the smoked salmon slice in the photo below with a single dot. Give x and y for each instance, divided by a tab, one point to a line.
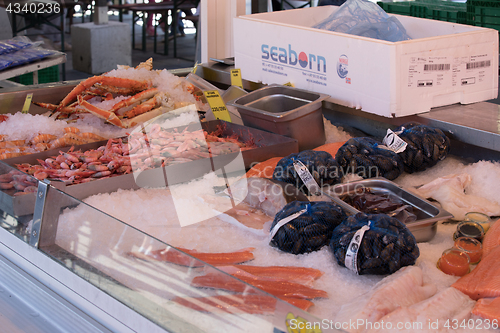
488	308
253	304
171	255
302	275
276	288
492	238
484	280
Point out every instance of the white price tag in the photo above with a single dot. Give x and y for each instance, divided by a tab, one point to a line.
284	221
394	142
306	177
351	256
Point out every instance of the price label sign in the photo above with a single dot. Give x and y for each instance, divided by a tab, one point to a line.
27	103
217	105
236	78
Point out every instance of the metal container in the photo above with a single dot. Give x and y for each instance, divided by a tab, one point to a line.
268	145
284	110
428	215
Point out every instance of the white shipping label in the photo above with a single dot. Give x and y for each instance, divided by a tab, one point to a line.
306	177
351	256
448	71
393	142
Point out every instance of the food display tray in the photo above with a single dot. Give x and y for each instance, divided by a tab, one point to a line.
428	215
269	145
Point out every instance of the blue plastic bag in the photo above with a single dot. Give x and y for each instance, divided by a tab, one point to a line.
364	18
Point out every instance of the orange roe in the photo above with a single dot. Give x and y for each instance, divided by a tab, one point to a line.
454	262
471	246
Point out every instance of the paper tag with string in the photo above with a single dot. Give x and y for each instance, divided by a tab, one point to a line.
306	177
351	256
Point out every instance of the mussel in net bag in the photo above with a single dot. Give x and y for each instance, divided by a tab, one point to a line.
302	227
320	164
373	244
368	158
425	146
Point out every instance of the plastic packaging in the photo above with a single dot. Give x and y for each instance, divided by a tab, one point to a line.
373	244
364	18
310	227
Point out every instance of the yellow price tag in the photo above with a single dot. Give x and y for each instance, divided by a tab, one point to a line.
27	103
289	84
217	105
236	78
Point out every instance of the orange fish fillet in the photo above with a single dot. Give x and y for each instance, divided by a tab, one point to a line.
492	238
221	258
276	288
253	304
488	308
302	275
265	169
484	280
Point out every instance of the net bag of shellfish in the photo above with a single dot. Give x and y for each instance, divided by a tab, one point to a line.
373	244
368	158
425	146
308	166
302	227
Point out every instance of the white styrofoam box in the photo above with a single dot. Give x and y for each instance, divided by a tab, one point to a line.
444	63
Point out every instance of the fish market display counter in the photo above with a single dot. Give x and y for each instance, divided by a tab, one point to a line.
119	276
94	278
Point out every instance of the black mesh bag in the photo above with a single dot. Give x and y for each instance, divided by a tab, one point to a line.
309	231
426	146
320	164
386	245
364	157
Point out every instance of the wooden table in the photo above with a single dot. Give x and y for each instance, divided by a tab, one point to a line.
159	8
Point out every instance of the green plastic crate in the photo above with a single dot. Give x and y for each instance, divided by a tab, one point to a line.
400	8
45	75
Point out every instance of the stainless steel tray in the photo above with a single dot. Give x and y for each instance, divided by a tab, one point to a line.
428	215
269	145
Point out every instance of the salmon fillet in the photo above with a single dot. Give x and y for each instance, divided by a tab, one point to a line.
253	304
488	308
492	238
484	280
176	257
275	288
302	275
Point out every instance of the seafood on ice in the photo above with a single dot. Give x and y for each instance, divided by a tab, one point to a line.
276	288
487	308
401	289
253	202
44	141
173	255
430	315
491	238
449	191
248	303
125	97
302	275
484	280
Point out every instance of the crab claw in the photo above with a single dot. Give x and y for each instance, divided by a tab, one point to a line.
105	81
109	116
